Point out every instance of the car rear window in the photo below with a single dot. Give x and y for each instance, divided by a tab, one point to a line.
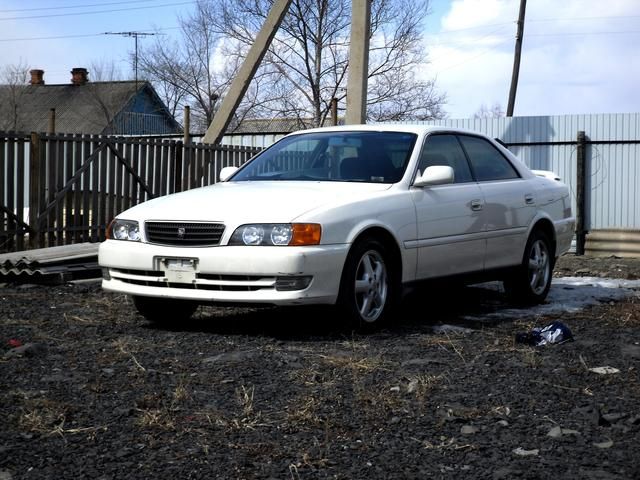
486	161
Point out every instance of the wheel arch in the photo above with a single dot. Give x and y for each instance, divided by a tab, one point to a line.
390	243
545	226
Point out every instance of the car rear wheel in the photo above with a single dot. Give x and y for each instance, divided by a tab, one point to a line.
531	282
369	287
164	310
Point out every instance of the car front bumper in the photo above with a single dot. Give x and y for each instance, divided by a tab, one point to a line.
238	274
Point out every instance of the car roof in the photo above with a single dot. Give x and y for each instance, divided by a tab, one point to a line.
387	127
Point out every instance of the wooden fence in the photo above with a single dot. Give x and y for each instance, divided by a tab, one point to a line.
62	189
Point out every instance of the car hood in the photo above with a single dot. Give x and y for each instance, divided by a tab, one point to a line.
243	202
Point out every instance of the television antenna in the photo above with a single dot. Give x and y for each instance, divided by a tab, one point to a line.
135	35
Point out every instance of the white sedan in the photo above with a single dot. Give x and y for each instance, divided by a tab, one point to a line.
346	216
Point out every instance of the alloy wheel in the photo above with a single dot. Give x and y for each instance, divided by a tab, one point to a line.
539	267
371	286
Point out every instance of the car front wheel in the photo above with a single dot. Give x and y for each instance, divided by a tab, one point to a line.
164	310
369	288
531	282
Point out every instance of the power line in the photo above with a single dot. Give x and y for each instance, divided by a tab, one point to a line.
569	34
534	20
66	7
82	35
98	11
27	39
571	19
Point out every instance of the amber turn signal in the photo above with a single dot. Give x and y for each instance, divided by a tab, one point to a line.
306	234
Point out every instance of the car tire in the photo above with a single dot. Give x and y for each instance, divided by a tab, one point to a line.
369	287
164	310
529	284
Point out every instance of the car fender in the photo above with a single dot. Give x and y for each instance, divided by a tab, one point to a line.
540	215
408	256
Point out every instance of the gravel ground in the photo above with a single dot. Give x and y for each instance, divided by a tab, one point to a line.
88	389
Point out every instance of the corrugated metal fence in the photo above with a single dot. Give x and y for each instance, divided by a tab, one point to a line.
612	190
62	189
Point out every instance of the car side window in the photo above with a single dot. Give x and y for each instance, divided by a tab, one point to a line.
443	149
486	160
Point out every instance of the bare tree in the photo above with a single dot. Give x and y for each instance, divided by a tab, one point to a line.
105	70
495	111
14	80
183	71
308	60
305	67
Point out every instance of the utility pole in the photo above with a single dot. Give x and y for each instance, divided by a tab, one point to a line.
516	59
358	62
135	35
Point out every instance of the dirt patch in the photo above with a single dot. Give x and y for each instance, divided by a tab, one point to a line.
96	392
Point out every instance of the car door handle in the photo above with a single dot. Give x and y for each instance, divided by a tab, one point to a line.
476	205
528	199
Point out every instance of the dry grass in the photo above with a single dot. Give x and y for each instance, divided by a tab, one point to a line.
162	418
42	415
310	376
69	318
304	412
126	346
449	342
245	399
248	416
422	384
377	400
445	443
156	411
531	357
356	365
47	417
626	314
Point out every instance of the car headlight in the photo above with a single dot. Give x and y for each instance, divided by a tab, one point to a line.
277	234
124	230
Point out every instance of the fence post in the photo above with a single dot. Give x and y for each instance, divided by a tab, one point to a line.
177	167
34	189
52	121
334	111
581	183
187	124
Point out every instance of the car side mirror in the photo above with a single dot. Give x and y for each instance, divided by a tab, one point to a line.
435	175
226	172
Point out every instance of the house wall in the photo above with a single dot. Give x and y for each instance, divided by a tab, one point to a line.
144	115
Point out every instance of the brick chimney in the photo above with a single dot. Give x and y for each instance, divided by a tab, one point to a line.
79	76
37	77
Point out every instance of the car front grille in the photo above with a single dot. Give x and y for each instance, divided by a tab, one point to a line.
184	234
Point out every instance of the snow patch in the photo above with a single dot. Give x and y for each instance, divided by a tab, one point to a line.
570	294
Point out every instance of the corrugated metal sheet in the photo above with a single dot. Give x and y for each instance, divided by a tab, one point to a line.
614	169
619	242
261	140
80	258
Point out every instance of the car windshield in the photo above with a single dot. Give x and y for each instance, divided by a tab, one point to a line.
354	156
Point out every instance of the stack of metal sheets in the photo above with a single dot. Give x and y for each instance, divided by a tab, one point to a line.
51	264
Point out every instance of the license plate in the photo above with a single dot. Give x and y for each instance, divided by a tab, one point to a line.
179	270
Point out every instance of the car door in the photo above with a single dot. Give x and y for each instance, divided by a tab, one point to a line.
510	201
449	217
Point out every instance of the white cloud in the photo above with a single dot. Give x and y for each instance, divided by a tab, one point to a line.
562	70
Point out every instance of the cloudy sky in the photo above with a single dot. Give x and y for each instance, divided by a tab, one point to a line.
579	56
